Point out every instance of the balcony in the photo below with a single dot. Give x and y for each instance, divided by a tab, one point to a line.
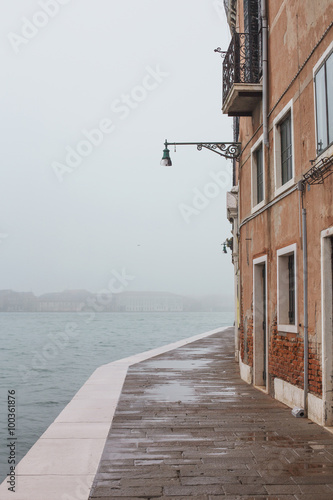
242	69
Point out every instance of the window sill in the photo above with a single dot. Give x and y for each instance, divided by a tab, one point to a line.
287	328
284	187
258	206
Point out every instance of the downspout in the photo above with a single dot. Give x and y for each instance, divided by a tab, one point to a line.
264	71
305	299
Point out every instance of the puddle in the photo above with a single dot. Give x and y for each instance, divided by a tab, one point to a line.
172	392
178	364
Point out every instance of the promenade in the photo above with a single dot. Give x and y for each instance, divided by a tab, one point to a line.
186	426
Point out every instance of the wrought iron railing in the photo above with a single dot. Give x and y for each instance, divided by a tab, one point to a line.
242	62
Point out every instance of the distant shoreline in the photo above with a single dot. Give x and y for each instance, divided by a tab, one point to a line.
83	301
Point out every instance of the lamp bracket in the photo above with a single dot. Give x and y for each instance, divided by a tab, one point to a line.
230	150
319	171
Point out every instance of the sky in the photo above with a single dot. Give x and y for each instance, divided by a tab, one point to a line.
90	90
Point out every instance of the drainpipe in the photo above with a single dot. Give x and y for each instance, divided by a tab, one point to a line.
264	70
305	300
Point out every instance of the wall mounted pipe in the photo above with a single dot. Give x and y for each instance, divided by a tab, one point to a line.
264	71
305	300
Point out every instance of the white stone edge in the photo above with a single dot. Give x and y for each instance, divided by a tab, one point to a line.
293	397
245	372
62	464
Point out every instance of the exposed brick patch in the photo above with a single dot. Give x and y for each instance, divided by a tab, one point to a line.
242	341
250	340
246	336
315	370
286	360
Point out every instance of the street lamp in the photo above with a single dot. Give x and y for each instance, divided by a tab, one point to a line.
228	243
230	150
166	160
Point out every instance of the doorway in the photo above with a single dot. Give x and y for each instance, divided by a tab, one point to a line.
260	344
327	322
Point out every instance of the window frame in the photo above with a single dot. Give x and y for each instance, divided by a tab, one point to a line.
255	205
283	289
318	66
278	120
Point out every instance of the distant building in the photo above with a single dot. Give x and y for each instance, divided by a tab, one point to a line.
67	301
148	302
11	301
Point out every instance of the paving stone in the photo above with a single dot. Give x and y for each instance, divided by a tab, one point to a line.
321	496
145	492
197	497
311	479
148	482
317	489
244	489
190	491
195	480
283	489
256	497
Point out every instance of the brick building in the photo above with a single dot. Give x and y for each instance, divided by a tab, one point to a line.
278	87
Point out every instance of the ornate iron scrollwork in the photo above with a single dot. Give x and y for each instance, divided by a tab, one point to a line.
230	150
319	171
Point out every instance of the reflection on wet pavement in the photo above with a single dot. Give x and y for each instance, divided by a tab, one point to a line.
176	364
171	392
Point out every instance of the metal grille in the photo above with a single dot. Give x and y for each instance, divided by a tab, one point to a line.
242	63
251	15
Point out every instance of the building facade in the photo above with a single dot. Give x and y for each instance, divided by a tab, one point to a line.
278	87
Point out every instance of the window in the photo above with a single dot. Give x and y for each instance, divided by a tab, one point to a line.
291	286
284	149
257	175
324	104
260	175
287	289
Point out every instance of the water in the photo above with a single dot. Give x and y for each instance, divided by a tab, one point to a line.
47	357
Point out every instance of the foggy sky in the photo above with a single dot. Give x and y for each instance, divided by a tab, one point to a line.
141	71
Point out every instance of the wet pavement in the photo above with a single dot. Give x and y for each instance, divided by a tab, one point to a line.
186	426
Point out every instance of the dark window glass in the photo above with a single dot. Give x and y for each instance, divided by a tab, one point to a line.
286	150
260	175
251	27
321	110
329	76
324	104
251	16
291	272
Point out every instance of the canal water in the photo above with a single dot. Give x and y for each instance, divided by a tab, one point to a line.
46	357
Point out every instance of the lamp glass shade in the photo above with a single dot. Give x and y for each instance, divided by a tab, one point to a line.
166	160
